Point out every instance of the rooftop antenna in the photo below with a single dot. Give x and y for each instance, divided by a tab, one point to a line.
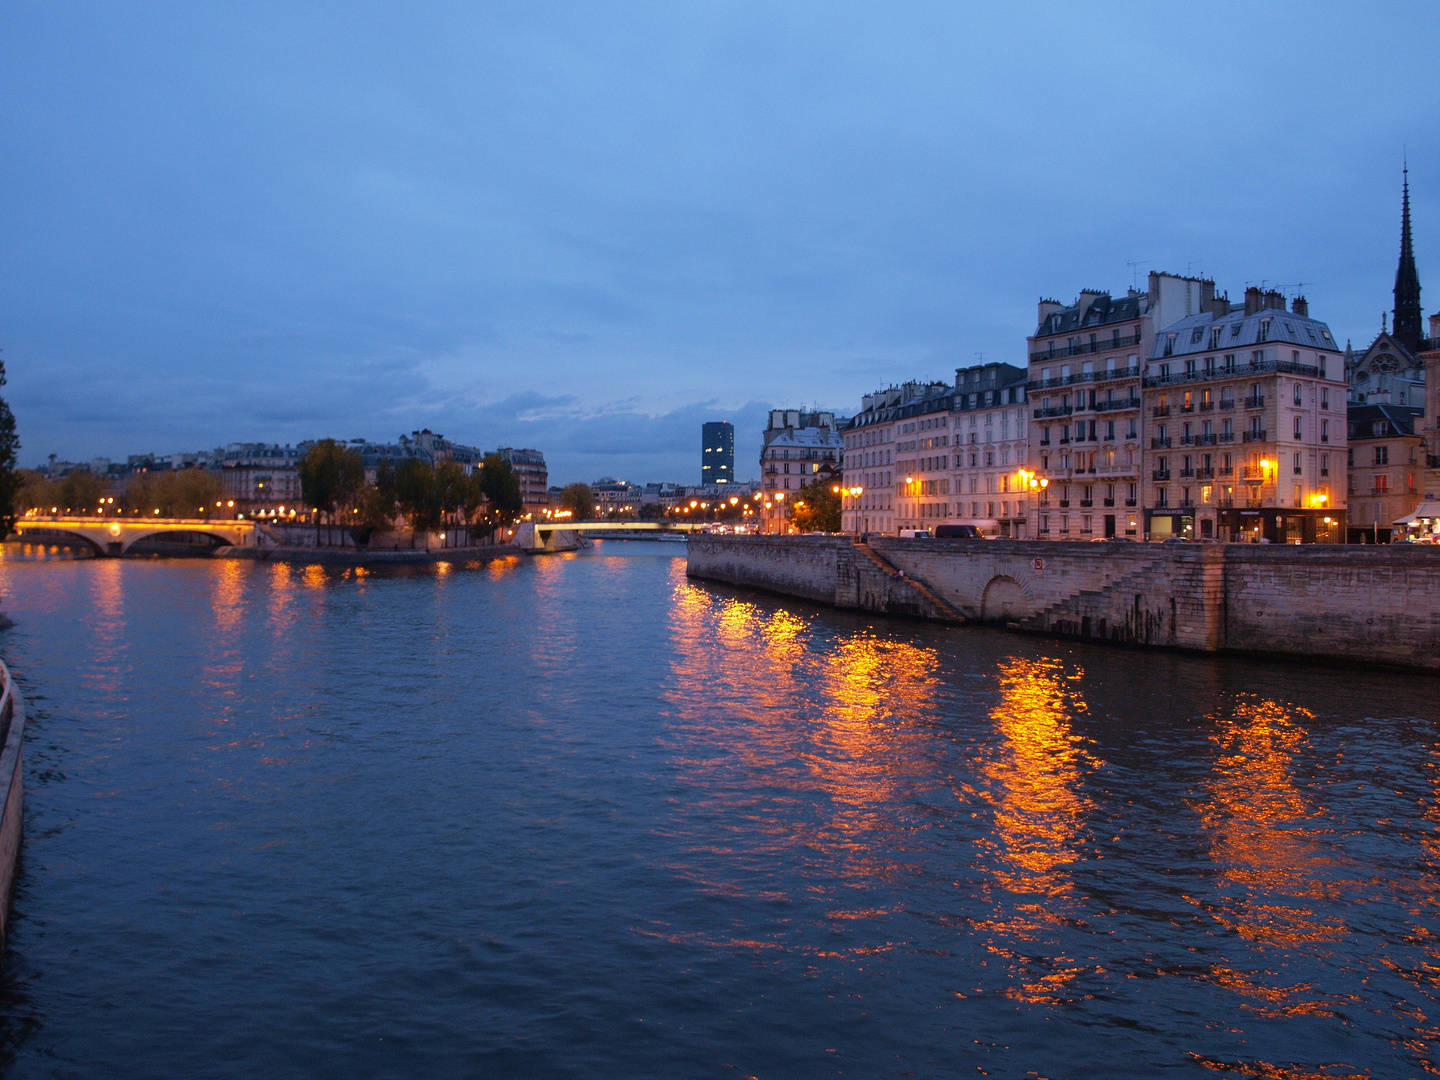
1135	272
1191	263
980	356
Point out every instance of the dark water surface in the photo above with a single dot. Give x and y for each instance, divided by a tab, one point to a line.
574	816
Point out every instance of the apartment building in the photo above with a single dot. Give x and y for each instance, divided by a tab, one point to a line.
990	466
870	462
1246	428
261	476
1386	458
798	448
1085	405
534	476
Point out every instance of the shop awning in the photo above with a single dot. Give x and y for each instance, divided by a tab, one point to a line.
1426	510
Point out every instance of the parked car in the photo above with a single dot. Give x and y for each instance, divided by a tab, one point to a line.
958	532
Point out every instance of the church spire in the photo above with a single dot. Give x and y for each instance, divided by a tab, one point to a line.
1407	281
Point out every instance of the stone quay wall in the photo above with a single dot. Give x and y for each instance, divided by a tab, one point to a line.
1378	604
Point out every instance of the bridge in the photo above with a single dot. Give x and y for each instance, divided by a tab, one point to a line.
115	536
540	536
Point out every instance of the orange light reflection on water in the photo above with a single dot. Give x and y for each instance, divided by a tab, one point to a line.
1031	784
1275	861
801	745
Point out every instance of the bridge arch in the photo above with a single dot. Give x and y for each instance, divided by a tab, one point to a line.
52	535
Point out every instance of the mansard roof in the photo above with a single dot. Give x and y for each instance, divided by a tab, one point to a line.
1103	311
1195	333
1397	420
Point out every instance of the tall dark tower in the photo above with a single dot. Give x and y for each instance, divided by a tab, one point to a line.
1407	282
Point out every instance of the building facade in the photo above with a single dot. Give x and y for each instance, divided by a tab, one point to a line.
261	476
534	477
874	481
717	454
798	448
1086	427
1386	458
1246	433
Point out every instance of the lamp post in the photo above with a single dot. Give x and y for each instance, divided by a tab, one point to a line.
855	493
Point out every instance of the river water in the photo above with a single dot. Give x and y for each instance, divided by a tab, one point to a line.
575	816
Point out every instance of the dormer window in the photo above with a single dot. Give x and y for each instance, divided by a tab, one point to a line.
1169	344
1235	330
1264	330
1197	335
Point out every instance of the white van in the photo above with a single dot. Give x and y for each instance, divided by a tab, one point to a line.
914	534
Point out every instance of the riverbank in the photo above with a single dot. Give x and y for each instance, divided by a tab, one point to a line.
366	557
1378	605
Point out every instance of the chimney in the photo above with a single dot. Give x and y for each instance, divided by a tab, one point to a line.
1298	306
1220	305
1254	300
1088	297
1046	309
1274	300
1207	295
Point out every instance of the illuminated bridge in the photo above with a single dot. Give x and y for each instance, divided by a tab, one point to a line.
116	536
563	535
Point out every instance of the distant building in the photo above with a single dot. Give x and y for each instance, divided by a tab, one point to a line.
260	476
1386	457
529	466
616	498
871	444
798	448
717	455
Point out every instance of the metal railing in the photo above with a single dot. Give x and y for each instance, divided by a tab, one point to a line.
1159	444
1255	436
1160	410
1054	410
1264	367
1087	347
1255	401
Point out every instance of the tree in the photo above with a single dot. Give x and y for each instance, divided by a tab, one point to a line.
579	500
80	492
501	488
816	507
418	494
331	475
452	488
183	494
9	477
36	493
377	502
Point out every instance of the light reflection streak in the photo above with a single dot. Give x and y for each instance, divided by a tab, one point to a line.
802	743
1275	868
1032	787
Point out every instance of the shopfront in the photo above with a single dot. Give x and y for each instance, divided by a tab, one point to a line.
1281	526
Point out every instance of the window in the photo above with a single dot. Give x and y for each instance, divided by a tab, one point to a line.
1298	399
1299	493
1324	430
1299	427
1324	464
1382	484
1382	455
1160	498
1297	462
1325	397
1377	428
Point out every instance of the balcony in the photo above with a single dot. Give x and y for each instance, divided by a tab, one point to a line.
1207	406
1225	471
1255	436
1159	444
1129	502
1227	403
1054	410
1085	348
1108	502
1044	442
1064	504
1252	473
1264	367
1087	502
1187	474
1110	406
1198	440
1204	474
1161	474
1255	401
1187	408
1160	410
1226	436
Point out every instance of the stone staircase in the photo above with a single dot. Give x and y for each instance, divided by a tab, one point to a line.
904	595
1116	612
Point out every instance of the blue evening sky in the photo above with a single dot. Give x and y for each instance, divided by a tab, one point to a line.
590	227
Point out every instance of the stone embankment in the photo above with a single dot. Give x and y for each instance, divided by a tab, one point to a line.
341	556
1361	604
12	795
